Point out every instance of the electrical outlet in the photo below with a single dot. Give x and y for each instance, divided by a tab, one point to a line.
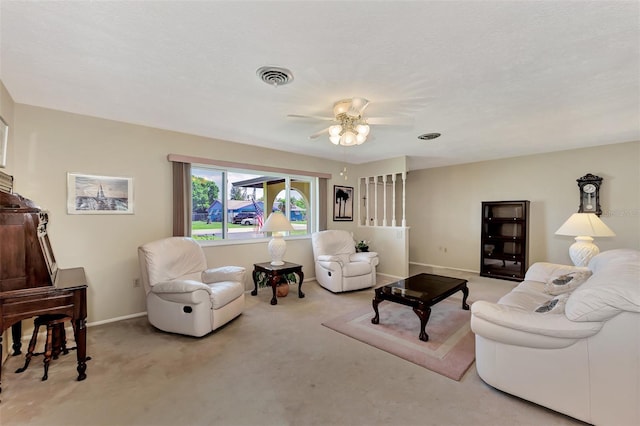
136	282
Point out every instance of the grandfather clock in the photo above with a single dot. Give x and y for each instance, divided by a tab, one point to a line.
589	194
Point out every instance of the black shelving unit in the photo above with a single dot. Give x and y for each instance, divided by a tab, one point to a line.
505	239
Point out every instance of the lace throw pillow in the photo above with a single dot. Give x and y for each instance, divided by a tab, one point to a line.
554	306
566	283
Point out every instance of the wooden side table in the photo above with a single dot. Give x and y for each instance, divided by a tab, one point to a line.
276	275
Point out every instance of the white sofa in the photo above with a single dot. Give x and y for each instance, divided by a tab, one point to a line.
581	359
338	267
183	296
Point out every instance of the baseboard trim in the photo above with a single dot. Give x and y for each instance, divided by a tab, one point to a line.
116	319
394	277
444	267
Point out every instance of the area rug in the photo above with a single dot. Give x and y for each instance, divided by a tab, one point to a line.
450	350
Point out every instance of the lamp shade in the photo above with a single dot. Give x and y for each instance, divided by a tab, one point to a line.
276	222
585	224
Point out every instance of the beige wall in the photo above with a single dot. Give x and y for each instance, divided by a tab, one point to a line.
6	112
49	143
444	212
46	144
391	243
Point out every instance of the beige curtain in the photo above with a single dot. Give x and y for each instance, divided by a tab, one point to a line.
322	208
181	199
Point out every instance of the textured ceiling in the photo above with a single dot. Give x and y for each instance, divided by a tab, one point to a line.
497	79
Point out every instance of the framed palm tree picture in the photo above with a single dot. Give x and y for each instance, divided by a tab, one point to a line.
342	203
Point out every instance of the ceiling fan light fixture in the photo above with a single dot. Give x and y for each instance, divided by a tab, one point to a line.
341	107
350	127
348	138
363	129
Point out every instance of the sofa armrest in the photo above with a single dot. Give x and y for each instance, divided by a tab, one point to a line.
516	326
224	273
545	271
366	256
179	286
327	258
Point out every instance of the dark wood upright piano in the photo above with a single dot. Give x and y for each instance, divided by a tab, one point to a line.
30	282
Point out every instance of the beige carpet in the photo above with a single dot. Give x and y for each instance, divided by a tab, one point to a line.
273	365
450	350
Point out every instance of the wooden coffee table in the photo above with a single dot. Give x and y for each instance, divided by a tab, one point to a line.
420	292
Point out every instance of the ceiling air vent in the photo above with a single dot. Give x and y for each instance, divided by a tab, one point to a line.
275	76
429	136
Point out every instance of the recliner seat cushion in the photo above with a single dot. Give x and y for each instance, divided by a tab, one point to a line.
225	292
354	269
223	273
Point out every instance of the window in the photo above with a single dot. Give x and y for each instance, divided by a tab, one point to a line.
232	204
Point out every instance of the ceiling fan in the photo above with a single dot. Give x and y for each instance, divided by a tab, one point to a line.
351	127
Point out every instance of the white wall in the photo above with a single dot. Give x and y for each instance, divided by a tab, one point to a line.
445	212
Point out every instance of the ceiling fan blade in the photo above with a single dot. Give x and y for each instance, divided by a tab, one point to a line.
390	121
312	117
319	133
357	106
401	106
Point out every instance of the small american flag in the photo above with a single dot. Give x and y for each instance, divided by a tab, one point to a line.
259	218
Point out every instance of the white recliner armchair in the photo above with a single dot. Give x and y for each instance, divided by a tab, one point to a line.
338	267
183	296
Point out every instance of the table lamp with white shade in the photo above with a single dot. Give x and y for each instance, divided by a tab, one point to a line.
277	223
584	226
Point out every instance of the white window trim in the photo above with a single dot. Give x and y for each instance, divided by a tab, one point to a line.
226	167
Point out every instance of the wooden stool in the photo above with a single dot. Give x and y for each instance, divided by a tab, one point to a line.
56	340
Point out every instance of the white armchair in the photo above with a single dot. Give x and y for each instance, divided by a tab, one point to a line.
183	296
338	267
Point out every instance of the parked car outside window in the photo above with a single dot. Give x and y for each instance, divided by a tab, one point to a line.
245	218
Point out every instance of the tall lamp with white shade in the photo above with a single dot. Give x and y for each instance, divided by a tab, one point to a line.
584	226
277	223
